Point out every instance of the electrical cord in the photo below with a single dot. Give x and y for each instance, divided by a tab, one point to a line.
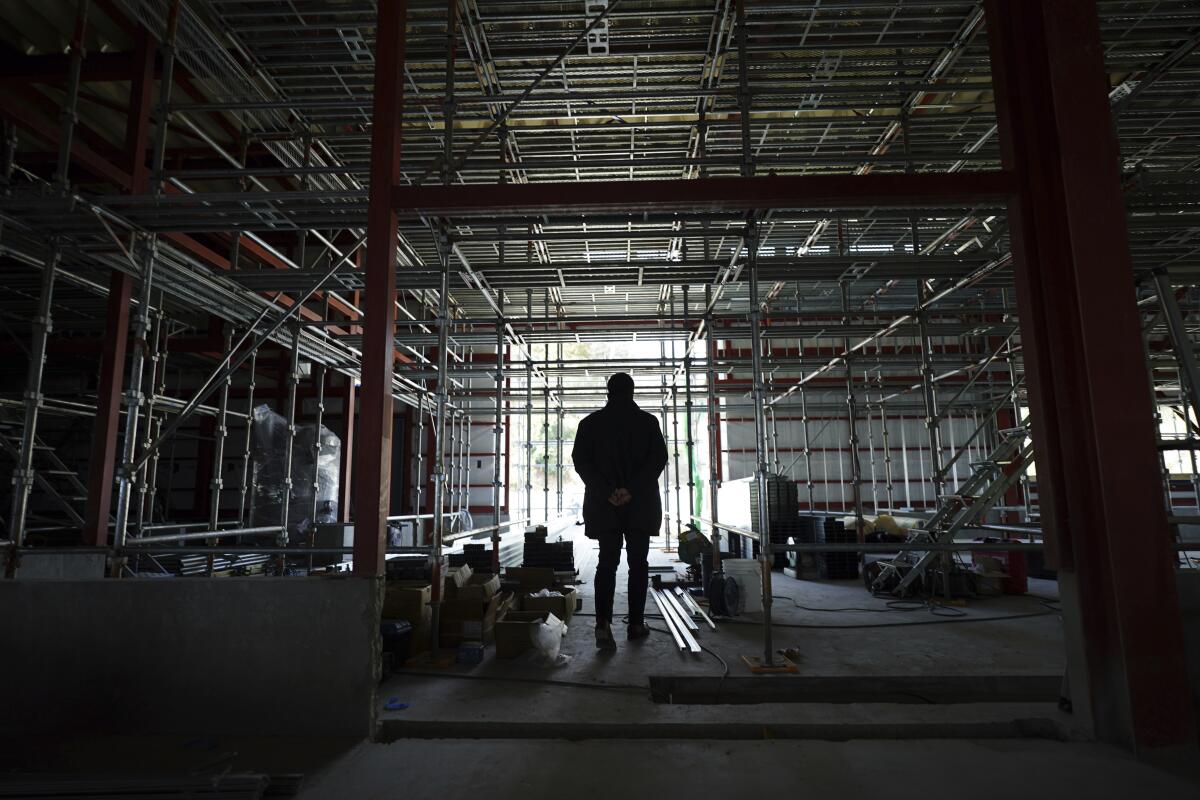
714	654
998	618
892	605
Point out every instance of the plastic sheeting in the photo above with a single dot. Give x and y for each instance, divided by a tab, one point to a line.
268	450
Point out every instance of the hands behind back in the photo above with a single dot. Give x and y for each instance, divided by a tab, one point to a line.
620	497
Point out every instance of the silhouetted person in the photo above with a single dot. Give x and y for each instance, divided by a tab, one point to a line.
619	452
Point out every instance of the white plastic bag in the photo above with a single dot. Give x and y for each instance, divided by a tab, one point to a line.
547	639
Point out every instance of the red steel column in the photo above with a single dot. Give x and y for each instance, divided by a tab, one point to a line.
1089	395
103	460
374	484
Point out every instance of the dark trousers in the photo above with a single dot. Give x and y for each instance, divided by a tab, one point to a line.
637	546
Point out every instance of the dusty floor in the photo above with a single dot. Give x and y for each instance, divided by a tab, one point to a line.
838	629
479	727
482	731
583	770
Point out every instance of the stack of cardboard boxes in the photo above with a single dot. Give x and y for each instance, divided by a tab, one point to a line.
409	600
475	612
515	626
470	606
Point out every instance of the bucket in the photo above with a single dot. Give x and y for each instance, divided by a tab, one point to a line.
747	572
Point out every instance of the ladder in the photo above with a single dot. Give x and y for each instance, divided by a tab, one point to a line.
58	481
988	483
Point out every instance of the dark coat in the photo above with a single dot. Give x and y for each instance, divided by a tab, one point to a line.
620	446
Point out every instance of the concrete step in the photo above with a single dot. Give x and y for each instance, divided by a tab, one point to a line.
869	721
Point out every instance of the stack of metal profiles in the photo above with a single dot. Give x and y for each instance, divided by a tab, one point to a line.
559	556
783	513
189	565
838	566
679	611
476	556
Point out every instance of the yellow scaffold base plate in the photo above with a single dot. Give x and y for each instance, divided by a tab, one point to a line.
757	666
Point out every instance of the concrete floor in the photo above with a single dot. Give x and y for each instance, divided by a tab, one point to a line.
589	729
864	647
483	729
583	770
535	768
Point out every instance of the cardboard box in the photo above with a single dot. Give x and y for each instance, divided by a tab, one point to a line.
418	639
514	632
530	579
479	587
406	600
562	607
471	620
454	578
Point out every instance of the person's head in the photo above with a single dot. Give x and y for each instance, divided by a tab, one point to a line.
620	386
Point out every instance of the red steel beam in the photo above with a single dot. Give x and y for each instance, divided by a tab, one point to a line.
708	194
102	463
374	485
1098	475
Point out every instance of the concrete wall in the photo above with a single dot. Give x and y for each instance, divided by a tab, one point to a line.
1189	609
221	656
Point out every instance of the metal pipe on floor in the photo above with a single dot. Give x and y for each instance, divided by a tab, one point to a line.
668	619
682	615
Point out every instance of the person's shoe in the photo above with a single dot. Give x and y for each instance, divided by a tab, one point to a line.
604	638
637	632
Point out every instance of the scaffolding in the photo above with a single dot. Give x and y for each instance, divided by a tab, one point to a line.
840	270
